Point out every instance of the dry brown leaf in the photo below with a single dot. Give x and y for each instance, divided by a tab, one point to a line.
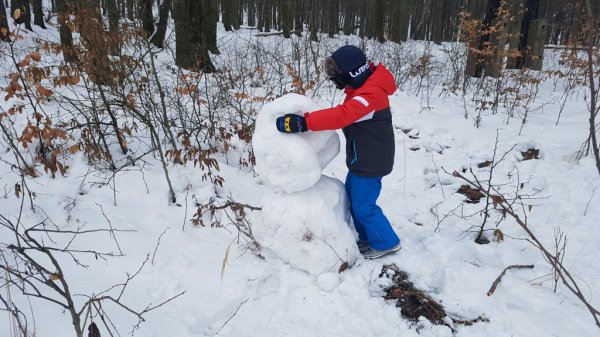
343	267
74	149
499	235
36	56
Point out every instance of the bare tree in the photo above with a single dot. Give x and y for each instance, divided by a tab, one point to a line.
592	35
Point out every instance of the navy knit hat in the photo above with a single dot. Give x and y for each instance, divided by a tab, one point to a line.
352	67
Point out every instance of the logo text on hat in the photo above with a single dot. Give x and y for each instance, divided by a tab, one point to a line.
360	70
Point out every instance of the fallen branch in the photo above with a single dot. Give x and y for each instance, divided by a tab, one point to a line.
515	266
275	33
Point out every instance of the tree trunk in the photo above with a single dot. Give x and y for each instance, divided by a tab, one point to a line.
297	13
96	42
113	26
158	39
24	15
129	4
397	19
4	29
533	8
437	22
514	29
331	18
38	14
191	51
251	13
362	19
313	24
238	17
66	36
268	15
378	21
226	14
349	17
209	21
261	18
285	11
147	17
591	21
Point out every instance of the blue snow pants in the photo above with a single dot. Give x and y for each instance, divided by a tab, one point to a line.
369	220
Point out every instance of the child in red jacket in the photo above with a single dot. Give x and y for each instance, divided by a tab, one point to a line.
366	121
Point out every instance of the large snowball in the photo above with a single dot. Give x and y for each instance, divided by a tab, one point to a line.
291	162
308	229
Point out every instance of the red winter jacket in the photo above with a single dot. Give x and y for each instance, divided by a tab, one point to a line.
366	120
372	96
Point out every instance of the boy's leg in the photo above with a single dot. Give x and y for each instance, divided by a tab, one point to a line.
360	229
363	196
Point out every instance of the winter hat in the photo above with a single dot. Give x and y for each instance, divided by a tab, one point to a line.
347	66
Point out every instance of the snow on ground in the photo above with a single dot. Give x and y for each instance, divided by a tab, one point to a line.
252	296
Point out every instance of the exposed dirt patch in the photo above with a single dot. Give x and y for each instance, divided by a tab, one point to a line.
484	164
531	154
415	303
473	195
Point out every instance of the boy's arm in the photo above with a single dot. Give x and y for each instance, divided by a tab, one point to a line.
342	115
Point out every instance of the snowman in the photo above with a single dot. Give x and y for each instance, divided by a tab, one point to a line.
305	215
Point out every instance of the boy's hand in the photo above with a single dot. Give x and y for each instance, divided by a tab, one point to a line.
291	123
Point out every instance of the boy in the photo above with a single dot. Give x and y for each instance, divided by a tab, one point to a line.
366	120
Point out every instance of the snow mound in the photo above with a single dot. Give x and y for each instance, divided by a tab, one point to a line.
309	229
291	162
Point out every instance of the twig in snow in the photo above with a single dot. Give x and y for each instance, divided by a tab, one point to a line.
589	201
111	229
158	244
437	171
515	266
233	315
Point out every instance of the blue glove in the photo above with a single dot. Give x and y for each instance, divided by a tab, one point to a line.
290	123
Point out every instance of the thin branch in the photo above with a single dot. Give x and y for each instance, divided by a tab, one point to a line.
499	278
232	316
158	244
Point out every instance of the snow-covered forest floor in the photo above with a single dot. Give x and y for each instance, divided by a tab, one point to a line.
229	290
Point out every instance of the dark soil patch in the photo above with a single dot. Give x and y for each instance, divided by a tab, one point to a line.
473	195
415	303
484	164
531	154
